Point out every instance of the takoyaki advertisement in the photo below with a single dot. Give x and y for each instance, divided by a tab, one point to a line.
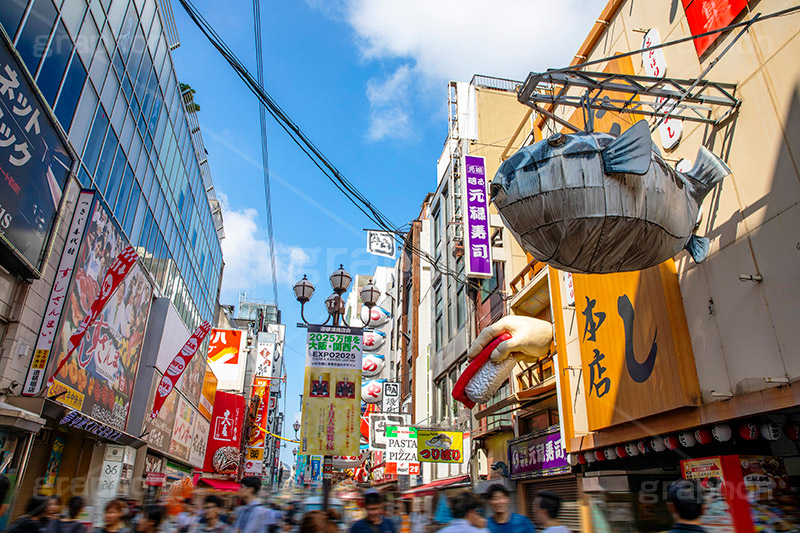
773	503
99	377
435	446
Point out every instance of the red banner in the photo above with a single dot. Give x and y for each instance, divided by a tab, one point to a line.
257	436
707	15
177	366
112	280
225	436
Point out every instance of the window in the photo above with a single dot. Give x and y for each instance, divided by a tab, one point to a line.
443	398
55	63
32	41
453	404
11	15
437	312
488	286
70	93
503	419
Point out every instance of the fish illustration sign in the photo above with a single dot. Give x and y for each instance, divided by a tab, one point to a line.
435	446
596	203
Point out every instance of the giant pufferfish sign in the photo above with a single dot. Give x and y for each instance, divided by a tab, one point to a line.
593	203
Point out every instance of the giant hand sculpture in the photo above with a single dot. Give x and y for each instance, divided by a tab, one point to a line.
495	352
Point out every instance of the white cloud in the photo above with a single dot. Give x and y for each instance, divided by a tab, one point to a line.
442	40
388	101
246	254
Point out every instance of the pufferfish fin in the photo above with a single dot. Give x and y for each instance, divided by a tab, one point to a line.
698	248
631	152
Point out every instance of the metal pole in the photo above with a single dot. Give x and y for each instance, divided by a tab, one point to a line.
326	481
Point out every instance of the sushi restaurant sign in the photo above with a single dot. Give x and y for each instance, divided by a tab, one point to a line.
636	352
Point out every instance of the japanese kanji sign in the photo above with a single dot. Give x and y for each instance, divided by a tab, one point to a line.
477	243
538	454
381	243
181	444
257	436
265	351
435	446
226	358
707	15
655	65
178	365
634	343
34	163
332	392
391	397
58	294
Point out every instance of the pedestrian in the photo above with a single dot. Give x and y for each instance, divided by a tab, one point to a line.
187	517
212	506
252	516
546	505
502	520
375	521
151	519
685	504
71	524
113	516
33	520
52	513
317	522
466	518
419	520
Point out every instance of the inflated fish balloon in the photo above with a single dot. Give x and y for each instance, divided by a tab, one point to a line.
595	203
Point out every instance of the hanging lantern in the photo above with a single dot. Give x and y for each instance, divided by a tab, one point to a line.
372	390
599	455
572	459
658	444
748	431
589	456
792	430
703	435
643	446
671	442
373	340
372	364
622	453
632	449
610	453
722	432
375	317
581	458
686	438
770	431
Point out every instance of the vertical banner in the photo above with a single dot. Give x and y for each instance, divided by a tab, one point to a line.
208	394
332	391
257	436
58	294
222	454
477	244
391	397
178	365
265	350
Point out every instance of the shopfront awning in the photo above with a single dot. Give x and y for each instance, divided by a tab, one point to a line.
433	486
219	484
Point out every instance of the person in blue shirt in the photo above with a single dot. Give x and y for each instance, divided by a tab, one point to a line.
503	520
375	521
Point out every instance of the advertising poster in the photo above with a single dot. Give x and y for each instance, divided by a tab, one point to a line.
314	471
181	443
209	391
257	436
227	359
401	450
53	465
332	391
254	461
98	378
538	454
34	165
434	446
709	472
158	432
300	472
773	504
199	441
265	350
224	437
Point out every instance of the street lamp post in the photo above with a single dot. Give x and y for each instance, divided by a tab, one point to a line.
304	290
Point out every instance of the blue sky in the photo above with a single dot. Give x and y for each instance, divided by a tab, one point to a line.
366	80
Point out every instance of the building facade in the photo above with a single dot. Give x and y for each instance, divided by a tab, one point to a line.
103	85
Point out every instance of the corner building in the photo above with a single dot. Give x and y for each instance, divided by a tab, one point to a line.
102	76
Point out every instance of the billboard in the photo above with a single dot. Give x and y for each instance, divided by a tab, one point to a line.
99	376
226	357
208	393
257	436
477	246
537	454
173	337
158	432
265	354
707	15
332	391
434	446
224	437
199	441
34	165
181	443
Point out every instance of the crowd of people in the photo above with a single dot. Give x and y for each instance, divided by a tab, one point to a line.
44	514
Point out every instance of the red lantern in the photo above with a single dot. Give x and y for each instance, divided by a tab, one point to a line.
621	451
748	431
644	446
703	435
672	442
792	430
581	458
599	455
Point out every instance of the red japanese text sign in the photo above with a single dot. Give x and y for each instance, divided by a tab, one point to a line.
224	438
178	365
707	15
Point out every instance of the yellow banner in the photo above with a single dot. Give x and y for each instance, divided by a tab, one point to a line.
66	395
331	411
434	446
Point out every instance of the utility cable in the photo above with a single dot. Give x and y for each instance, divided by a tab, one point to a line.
262	117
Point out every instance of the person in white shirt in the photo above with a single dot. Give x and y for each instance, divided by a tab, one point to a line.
252	516
546	505
467	519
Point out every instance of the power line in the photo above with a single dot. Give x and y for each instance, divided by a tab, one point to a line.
262	116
